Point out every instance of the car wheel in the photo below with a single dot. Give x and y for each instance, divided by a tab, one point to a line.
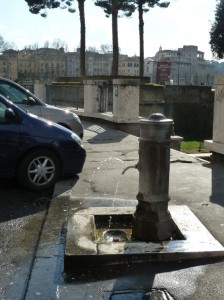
39	170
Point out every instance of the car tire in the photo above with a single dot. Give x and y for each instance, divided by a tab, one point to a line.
39	170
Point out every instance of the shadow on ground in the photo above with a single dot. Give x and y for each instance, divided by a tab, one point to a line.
16	202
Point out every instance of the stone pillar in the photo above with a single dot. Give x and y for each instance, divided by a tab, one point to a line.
92	95
40	90
152	221
126	100
151	99
216	145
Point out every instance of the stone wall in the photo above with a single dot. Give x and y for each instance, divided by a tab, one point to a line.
191	108
151	99
65	95
188	94
216	144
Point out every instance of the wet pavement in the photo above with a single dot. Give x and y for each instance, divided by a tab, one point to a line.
22	215
39	273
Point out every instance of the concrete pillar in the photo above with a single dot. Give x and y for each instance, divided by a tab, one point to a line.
151	99
92	95
40	91
216	145
126	100
152	221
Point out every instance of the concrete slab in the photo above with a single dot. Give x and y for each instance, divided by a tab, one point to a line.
193	183
84	247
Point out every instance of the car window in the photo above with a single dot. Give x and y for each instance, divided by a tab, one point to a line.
2	112
13	93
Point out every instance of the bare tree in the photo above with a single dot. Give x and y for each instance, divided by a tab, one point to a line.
106	48
92	49
34	46
4	45
58	44
46	44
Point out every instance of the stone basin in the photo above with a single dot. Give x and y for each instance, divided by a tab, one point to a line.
87	247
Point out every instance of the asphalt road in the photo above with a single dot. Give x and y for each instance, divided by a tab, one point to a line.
22	215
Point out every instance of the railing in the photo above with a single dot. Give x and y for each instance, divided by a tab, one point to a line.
65	95
105	98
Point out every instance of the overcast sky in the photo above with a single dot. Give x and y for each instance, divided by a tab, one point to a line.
184	22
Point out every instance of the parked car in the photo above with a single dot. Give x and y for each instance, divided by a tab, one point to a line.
36	151
26	100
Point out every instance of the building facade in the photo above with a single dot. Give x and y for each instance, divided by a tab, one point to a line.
98	64
185	66
29	65
72	64
149	68
9	64
49	64
128	66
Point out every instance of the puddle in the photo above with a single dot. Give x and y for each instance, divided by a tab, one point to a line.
119	229
114	235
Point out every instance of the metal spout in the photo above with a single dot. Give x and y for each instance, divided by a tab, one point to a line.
130	167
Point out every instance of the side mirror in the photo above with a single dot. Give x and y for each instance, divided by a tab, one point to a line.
9	113
31	101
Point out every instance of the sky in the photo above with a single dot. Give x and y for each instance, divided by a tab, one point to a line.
184	22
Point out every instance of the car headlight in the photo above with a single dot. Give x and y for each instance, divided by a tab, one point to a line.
73	114
76	138
76	117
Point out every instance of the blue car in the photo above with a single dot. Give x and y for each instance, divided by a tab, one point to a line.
36	151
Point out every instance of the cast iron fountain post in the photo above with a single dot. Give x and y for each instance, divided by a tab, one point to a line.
152	220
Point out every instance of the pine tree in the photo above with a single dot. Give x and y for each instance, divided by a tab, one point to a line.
217	31
112	7
144	6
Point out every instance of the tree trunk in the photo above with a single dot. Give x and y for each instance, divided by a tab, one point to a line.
81	4
115	40
141	39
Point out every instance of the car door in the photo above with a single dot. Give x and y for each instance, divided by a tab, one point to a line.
9	143
19	97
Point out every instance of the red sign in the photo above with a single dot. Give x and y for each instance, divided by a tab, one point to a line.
163	72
